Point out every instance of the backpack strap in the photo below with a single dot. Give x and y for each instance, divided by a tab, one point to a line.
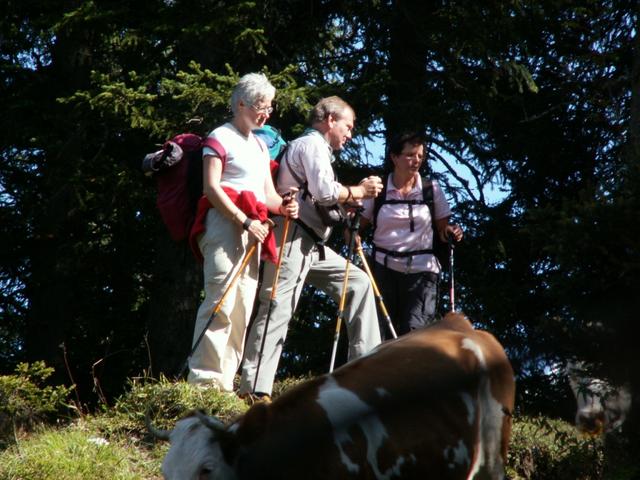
217	147
427	199
393	253
319	242
427	196
303	185
284	158
281	154
381	199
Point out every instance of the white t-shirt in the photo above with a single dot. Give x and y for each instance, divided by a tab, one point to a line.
247	163
393	230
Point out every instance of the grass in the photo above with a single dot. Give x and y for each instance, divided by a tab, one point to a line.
114	444
74	453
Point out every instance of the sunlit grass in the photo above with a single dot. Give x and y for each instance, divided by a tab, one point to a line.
75	454
114	444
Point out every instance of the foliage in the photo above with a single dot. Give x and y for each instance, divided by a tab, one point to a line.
542	448
26	400
534	98
281	386
164	402
81	262
114	443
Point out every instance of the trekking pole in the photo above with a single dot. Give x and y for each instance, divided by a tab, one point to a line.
274	287
354	226
452	293
218	307
376	291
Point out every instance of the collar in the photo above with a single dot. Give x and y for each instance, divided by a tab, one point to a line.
416	186
234	129
313	131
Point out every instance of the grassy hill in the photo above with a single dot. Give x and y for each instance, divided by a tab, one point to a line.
44	437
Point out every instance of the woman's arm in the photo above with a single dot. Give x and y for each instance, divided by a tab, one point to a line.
444	228
212	173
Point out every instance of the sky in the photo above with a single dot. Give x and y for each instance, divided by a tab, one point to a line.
492	195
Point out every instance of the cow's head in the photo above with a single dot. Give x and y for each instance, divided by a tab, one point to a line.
196	449
601	407
203	448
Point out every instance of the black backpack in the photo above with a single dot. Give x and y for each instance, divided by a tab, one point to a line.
440	249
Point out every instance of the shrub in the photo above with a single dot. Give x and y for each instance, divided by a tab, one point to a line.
25	400
545	449
281	386
165	402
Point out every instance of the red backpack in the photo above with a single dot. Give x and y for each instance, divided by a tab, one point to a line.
177	169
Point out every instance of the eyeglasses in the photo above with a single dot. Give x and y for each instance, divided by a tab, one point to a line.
262	110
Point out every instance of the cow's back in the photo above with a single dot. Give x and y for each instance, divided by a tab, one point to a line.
434	403
441	393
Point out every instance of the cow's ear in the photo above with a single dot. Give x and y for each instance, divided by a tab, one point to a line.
254	423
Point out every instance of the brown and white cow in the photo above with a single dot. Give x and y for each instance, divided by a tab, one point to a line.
601	407
435	403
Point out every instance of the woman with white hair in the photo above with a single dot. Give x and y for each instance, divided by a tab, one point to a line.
238	195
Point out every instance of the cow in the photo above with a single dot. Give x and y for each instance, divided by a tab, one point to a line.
601	407
435	403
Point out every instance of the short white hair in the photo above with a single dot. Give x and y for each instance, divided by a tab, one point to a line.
251	88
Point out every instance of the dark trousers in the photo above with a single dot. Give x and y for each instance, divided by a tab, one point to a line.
410	298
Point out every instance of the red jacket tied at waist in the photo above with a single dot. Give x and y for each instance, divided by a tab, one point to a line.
250	206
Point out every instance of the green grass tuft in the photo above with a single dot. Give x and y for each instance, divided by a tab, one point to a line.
72	454
166	402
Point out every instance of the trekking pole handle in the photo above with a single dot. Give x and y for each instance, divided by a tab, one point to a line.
450	238
355	222
354	226
287	197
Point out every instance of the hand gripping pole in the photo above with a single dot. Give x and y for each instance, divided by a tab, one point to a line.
245	261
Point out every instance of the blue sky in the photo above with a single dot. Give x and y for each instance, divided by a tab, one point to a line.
376	149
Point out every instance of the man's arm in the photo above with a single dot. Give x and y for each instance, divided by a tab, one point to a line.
369	187
321	182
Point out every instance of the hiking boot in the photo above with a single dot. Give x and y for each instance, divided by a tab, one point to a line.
257	397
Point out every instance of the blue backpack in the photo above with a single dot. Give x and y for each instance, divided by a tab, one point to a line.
275	143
